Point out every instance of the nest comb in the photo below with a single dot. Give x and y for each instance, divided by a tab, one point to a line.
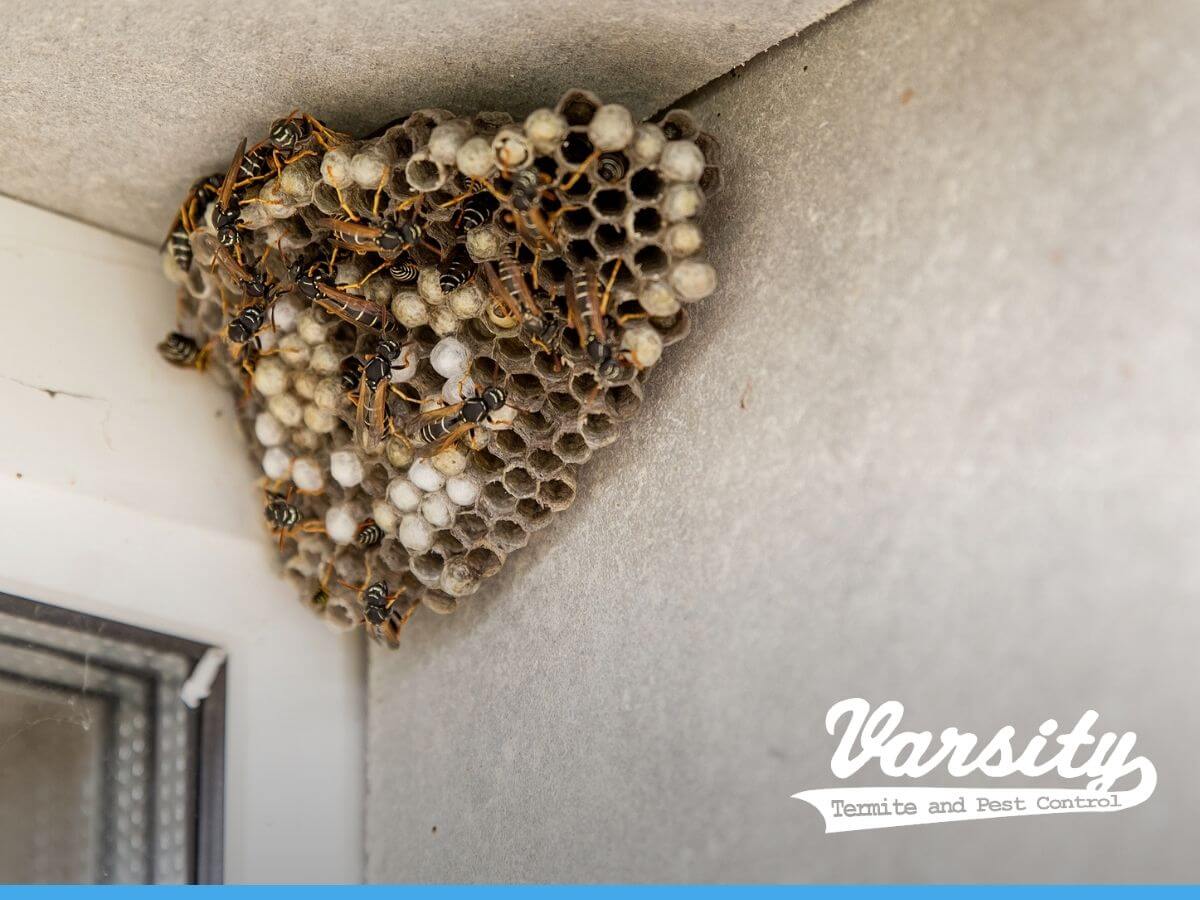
429	329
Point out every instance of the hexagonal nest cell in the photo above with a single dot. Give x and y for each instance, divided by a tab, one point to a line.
429	329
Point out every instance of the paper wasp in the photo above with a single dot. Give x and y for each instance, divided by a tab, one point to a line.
525	197
228	210
284	518
252	282
180	350
378	600
369	535
389	240
510	291
371	418
297	129
313	282
476	210
445	426
187	219
260	293
456	269
529	195
320	597
587	311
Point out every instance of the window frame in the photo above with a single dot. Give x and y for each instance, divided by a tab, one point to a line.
206	723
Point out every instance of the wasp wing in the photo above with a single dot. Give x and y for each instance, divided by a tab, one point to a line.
574	317
371	415
499	291
226	191
350	307
593	289
354	229
608	286
455	435
517	277
442	412
232	266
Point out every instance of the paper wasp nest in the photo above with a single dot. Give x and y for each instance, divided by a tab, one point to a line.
430	329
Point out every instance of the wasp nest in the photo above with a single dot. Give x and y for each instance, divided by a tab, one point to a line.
430	329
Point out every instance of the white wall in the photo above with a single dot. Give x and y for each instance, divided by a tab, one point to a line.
128	494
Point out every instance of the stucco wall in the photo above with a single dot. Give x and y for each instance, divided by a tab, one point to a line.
934	440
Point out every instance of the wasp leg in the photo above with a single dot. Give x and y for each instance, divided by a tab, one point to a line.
365	278
537	261
459	199
539	222
342	204
399	393
570	182
527	237
503	198
202	356
473	441
261	201
326	137
594	394
303	154
608	286
399	626
379	190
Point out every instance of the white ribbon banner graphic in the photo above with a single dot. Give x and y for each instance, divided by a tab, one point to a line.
863	808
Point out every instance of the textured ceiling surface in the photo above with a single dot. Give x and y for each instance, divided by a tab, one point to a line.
110	110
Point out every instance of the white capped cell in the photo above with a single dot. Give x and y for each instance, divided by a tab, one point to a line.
268	429
403	494
346	468
693	279
474	157
611	128
658	299
306	474
276	463
294	351
409	309
287	409
325	359
319	420
425	476
270	377
450	357
341	524
462	490
681	161
415	534
437	510
545	129
642	345
450	460
647	144
385	515
446	138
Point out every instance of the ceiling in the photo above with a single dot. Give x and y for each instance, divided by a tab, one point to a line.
108	111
